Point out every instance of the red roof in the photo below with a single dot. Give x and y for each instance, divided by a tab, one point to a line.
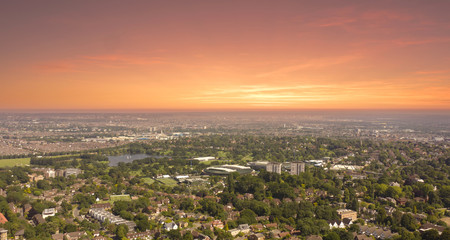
3	219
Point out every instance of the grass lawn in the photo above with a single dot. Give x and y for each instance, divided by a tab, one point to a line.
168	181
124	197
14	162
148	180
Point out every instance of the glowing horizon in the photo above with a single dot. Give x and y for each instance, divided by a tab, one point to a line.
231	55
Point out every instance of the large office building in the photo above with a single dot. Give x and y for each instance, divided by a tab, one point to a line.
297	168
274	167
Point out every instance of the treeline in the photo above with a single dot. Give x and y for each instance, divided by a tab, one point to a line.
67	161
54	161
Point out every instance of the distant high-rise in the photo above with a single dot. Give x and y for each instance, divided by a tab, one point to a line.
297	168
274	167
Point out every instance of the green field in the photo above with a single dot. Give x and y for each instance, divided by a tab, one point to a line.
168	181
14	162
148	180
125	197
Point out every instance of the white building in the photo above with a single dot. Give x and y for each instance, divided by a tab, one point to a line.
49	212
202	159
170	226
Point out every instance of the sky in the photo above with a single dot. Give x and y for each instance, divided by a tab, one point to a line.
224	55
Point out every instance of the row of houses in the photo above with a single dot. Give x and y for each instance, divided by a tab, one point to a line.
102	215
376	232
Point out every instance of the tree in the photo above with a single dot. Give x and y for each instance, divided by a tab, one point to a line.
332	236
187	204
121	231
66	207
174	234
247	216
408	222
44	185
445	235
142	222
430	235
188	236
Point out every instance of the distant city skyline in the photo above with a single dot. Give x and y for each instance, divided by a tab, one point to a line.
224	55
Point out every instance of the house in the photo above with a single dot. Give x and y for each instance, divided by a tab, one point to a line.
292	230
19	234
207	226
257	236
34	177
244	228
248	196
100	238
170	226
363	229
336	224
3	234
27	207
38	219
313	237
257	227
49	212
3	219
271	225
362	237
402	201
283	234
289	228
58	236
217	224
15	209
429	226
420	199
262	218
183	224
74	235
389	210
234	232
140	235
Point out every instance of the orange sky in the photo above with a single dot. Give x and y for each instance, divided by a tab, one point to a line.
224	55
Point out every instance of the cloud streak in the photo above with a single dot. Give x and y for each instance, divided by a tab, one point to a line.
311	64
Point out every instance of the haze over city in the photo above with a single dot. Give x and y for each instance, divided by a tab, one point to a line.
224	55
